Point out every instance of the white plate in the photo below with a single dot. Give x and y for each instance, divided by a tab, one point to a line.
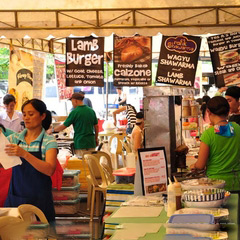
219	235
216	212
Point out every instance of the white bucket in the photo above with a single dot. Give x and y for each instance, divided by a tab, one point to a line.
130	160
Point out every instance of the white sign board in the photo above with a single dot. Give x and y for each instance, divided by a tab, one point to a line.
153	168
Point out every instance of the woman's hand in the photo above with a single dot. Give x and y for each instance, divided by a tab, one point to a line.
14	150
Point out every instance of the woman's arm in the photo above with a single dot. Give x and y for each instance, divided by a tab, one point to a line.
137	140
46	167
202	157
121	109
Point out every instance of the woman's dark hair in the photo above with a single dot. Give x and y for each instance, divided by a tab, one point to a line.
47	121
203	108
8	98
234	92
40	106
219	106
134	109
3	128
139	115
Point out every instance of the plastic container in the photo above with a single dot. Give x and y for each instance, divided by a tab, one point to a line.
194	110
70	178
36	231
66	207
218	213
184	237
124	175
171	204
186	111
66	193
111	106
73	228
123	122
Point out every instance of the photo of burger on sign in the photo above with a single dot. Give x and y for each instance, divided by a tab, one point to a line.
229	57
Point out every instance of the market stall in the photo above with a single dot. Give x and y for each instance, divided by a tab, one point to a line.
58	24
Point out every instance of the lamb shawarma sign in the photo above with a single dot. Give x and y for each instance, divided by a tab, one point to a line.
178	60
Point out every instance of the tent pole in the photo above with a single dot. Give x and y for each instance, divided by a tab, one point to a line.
107	91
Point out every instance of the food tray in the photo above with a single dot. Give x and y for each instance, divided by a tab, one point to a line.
202	183
184	237
66	193
192	218
203	222
70	178
66	207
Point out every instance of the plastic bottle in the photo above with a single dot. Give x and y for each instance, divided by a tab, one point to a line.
178	193
171	206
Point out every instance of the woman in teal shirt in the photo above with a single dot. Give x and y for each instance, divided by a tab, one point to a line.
220	146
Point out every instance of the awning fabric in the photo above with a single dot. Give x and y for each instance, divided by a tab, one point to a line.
78	17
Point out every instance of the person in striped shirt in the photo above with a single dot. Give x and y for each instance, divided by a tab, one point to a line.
130	115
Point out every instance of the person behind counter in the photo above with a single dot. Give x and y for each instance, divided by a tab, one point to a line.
232	95
31	182
10	118
203	109
137	133
86	101
220	149
85	125
121	97
130	115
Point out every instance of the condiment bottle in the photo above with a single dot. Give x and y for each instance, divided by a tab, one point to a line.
171	206
178	193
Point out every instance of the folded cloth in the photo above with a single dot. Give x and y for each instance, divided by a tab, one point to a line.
5	178
57	177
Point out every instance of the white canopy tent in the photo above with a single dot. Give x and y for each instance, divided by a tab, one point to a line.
39	19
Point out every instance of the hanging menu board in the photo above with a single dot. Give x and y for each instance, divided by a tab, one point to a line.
225	55
85	61
132	61
63	91
178	60
153	168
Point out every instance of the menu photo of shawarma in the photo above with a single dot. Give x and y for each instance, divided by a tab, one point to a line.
231	78
229	57
132	49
